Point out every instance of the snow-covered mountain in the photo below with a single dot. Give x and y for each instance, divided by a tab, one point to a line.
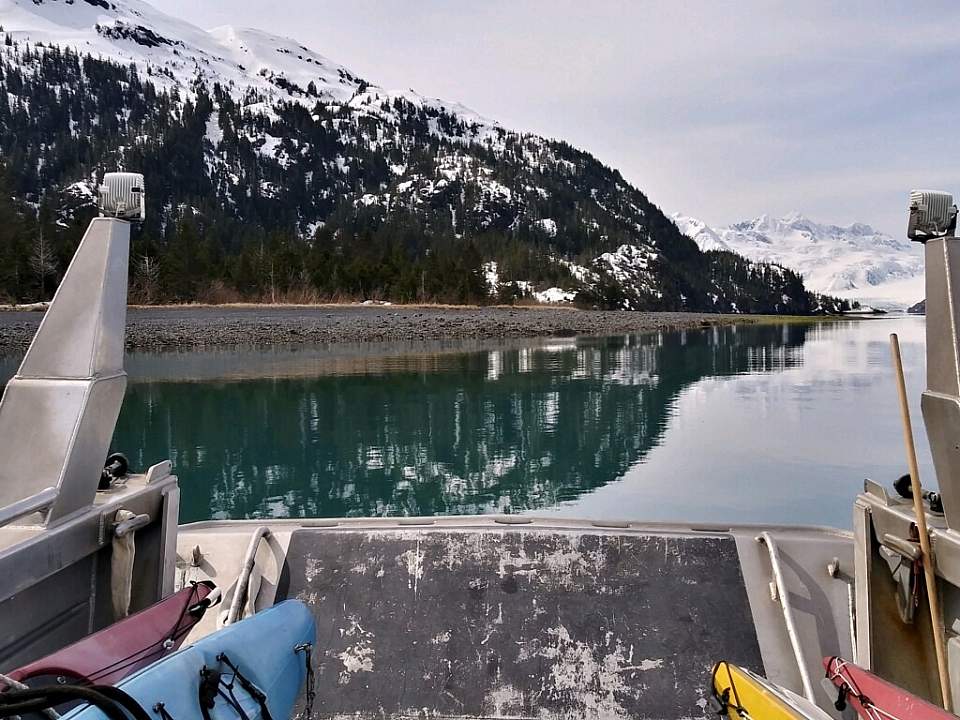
177	54
273	171
855	262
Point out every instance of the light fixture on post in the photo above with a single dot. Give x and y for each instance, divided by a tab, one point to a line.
122	196
932	215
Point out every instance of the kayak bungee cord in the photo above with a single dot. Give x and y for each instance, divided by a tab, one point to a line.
848	687
194	608
736	696
724	705
212	684
166	625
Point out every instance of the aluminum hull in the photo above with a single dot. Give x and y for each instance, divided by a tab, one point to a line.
531	617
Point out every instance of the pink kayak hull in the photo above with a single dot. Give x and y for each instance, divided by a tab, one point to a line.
117	651
865	691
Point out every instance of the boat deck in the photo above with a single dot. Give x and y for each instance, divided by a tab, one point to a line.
474	617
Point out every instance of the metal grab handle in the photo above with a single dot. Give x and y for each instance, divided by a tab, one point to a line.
243	581
784	597
132	525
908	549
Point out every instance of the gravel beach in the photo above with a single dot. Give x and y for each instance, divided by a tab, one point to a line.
204	326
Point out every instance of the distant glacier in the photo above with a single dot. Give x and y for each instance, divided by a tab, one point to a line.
855	261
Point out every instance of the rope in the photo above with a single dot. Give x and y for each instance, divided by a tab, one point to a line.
111	701
50	713
733	688
724	698
849	686
15	684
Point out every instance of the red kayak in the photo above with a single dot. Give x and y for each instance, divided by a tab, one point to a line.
108	656
876	699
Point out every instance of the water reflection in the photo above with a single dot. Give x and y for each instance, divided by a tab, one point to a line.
748	424
790	447
502	429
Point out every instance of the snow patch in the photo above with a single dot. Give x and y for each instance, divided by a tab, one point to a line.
547	226
492	275
855	261
555	295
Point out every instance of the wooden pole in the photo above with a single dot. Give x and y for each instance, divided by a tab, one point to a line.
933	598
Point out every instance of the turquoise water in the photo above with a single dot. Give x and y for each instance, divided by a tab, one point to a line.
745	424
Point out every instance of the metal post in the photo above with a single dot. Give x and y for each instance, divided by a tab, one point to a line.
941	401
58	413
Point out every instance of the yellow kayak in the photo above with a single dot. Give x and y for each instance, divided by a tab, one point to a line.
740	694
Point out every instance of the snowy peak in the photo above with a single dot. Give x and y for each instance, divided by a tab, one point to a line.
698	230
133	31
176	53
799	229
854	261
239	126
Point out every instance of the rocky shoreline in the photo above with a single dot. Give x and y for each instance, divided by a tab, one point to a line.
205	326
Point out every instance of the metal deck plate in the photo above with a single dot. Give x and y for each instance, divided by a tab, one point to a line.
488	623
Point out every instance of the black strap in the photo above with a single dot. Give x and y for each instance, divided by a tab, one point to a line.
212	685
723	703
311	692
252	690
161	710
841	702
196	610
233	702
209	687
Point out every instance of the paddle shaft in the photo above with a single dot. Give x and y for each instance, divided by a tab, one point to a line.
933	597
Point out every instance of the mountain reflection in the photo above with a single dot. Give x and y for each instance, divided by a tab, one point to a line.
501	430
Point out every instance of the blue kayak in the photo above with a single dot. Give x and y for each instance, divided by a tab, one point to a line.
252	669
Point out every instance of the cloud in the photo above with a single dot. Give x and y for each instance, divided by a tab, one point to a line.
722	109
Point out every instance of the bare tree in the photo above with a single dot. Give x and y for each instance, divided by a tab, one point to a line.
147	278
42	262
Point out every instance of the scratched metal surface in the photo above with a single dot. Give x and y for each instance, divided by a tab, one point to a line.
490	623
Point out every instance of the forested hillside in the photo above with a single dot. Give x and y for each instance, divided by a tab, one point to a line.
286	192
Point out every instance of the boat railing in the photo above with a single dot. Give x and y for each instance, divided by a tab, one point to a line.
782	595
243	581
36	502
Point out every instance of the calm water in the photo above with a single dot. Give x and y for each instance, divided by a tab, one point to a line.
748	424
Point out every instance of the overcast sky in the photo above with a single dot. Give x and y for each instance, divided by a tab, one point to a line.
721	110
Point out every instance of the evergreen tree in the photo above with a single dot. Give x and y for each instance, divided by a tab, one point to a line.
256	197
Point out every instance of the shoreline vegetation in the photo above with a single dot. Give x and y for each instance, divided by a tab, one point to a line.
172	327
